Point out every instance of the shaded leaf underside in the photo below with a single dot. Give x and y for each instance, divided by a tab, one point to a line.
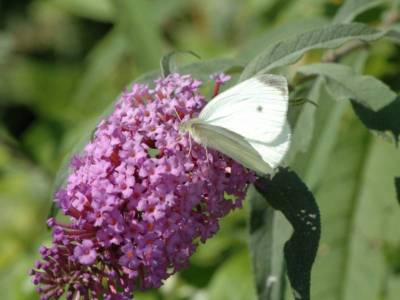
286	192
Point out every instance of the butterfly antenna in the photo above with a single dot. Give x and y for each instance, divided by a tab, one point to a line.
205	148
180	119
190	145
301	101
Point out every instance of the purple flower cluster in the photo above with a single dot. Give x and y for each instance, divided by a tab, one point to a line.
138	197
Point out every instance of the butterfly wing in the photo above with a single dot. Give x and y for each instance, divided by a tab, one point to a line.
255	110
274	152
230	144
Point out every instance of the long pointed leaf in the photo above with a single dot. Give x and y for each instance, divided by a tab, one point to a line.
286	192
345	83
268	233
355	202
289	51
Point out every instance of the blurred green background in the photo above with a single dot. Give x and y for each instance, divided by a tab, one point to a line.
63	61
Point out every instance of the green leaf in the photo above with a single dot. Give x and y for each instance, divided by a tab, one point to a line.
101	64
393	33
268	232
277	34
356	196
385	119
200	70
41	141
164	11
148	77
345	83
327	165
203	69
141	31
99	10
34	82
289	51
392	256
231	235
232	280
301	118
311	162
352	8
393	288
167	62
286	192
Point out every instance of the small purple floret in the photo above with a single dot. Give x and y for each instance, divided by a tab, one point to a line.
85	252
220	78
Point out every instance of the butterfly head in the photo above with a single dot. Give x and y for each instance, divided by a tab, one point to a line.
185	126
190	127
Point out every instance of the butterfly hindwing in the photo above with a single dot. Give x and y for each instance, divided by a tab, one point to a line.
274	152
232	145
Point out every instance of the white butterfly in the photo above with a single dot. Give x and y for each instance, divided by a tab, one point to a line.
247	122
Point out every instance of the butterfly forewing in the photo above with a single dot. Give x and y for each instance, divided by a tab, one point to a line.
248	122
255	108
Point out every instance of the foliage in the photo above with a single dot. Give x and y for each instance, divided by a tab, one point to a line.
287	193
62	62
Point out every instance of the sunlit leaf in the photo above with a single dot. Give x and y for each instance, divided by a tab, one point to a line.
289	51
137	23
101	64
99	10
168	64
269	231
165	10
301	118
277	34
232	281
393	288
203	69
345	83
311	162
350	257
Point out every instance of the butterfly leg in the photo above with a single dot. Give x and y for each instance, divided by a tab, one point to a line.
180	119
190	146
205	148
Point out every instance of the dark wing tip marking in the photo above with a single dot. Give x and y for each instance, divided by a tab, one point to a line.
276	81
259	108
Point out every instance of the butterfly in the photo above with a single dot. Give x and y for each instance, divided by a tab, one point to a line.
247	122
